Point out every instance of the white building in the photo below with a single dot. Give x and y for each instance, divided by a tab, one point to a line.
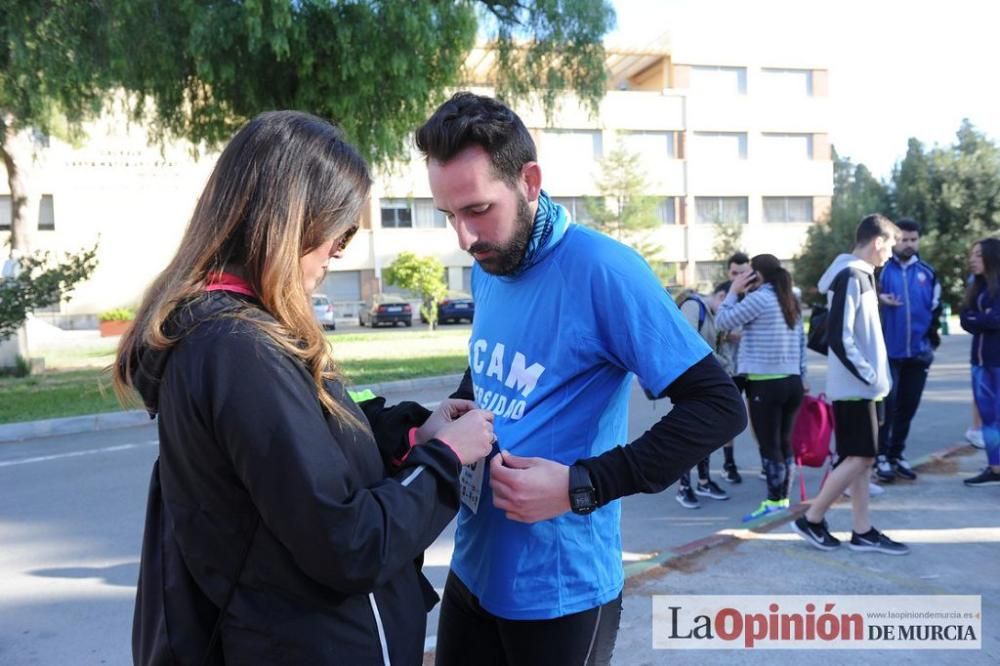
721	137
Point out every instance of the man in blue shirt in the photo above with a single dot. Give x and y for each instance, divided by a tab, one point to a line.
565	316
909	298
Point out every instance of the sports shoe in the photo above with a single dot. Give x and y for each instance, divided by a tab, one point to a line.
767	507
816	534
710	489
975	437
985	478
685	497
875	542
873	490
902	469
883	470
731	474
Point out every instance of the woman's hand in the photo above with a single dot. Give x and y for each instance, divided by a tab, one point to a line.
446	412
471	436
743	282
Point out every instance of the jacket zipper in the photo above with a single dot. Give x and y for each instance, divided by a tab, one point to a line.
909	322
381	630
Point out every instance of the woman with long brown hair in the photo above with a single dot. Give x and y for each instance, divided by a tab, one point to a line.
772	357
284	522
981	317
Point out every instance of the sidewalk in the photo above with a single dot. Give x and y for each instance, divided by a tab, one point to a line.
953	531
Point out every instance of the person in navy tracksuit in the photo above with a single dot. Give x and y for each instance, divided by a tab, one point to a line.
909	298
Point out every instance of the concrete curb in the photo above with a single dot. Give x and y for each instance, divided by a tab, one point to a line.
763	524
75	425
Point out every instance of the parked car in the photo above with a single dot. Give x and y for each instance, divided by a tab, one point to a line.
385	309
323	309
457	306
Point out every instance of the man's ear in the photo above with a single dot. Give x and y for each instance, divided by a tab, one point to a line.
531	179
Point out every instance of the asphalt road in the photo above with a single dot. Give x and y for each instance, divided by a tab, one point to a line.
71	514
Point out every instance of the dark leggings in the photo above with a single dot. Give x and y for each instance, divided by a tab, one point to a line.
773	404
468	635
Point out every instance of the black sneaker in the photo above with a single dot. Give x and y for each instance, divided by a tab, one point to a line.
816	534
883	470
685	497
731	474
710	489
876	542
985	478
902	469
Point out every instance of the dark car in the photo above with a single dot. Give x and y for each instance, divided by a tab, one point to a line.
385	309
457	306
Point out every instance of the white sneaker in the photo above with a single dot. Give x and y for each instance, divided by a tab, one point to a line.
873	490
975	437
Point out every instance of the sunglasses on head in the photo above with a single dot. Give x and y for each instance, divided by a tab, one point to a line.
342	243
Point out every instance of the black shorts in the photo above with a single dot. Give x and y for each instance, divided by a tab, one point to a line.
856	425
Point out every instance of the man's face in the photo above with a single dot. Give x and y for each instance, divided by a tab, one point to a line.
736	270
908	245
882	250
492	218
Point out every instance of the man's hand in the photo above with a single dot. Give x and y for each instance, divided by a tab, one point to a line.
529	490
891	300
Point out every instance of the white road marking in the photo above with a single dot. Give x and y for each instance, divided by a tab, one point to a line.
74	454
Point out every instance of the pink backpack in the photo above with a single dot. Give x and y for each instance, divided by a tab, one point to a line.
811	435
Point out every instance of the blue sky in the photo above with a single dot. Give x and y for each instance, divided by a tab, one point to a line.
897	69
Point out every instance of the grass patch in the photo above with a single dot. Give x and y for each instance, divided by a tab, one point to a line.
77	392
56	394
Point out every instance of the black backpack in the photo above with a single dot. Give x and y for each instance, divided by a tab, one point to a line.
817	340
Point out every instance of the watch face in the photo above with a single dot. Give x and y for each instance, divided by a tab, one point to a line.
582	500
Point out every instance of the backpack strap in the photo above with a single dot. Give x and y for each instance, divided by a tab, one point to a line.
702	310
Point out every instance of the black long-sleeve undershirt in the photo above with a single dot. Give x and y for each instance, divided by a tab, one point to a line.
707	412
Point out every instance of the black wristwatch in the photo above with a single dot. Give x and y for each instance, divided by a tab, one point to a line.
582	496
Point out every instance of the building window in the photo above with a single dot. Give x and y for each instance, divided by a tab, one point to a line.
786	82
573	145
577	207
649	145
709	273
727	210
719	146
411	213
666	210
46	213
719	80
788	209
786	147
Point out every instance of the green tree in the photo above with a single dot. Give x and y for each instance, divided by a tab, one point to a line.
623	210
856	193
954	193
728	240
54	74
37	281
422	275
376	68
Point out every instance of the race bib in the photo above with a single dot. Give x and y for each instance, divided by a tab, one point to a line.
471	480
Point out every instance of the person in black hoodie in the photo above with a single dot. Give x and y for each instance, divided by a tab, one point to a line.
285	523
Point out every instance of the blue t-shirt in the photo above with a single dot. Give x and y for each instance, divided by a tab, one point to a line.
552	354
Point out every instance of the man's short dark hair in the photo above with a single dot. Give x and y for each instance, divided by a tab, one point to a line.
738	258
874	226
906	224
467	120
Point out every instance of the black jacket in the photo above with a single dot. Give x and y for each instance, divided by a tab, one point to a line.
264	504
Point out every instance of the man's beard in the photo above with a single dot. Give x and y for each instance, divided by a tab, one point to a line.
506	259
905	253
